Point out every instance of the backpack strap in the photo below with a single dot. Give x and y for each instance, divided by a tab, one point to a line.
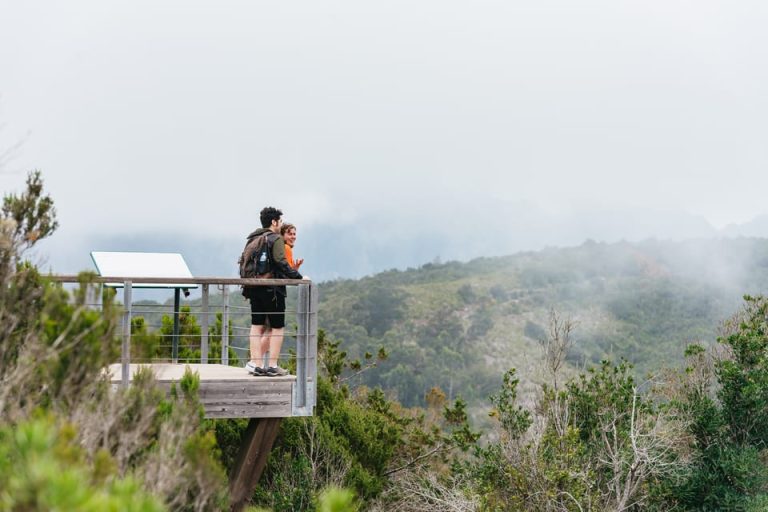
269	239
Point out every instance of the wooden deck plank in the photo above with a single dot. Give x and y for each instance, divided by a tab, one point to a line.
211	394
212	372
234	412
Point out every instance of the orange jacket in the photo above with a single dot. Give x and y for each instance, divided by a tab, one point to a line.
289	256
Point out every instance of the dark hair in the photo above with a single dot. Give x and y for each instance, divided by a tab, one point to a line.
268	214
286	227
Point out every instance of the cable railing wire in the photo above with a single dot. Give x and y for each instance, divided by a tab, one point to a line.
224	328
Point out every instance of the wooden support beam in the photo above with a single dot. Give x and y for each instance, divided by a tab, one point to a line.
254	450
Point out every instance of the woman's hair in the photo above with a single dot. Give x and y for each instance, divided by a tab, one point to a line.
287	226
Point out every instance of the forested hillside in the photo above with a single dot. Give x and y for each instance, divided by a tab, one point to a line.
461	325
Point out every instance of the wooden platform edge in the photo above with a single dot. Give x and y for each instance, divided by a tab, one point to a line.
227	392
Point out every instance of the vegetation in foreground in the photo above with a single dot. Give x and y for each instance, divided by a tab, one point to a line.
66	439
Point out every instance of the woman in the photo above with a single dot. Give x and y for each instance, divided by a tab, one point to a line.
288	231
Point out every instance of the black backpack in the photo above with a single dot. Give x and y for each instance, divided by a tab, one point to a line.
256	260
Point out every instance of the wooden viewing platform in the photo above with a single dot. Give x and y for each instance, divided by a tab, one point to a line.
227	391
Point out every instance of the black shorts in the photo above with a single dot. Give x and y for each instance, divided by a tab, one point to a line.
267	305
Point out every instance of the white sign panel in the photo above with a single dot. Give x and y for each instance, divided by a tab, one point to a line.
142	264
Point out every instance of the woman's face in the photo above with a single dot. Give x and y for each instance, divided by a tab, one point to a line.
290	237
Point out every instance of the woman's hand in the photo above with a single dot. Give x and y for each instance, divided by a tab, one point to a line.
299	262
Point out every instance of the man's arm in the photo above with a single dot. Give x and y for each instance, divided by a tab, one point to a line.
281	263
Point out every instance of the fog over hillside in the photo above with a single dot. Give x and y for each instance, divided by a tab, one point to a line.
408	239
391	133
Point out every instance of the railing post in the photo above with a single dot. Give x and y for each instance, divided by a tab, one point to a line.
204	327
176	330
305	390
125	356
302	306
312	347
225	326
93	296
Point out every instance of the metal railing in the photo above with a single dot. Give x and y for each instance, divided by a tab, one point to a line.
305	333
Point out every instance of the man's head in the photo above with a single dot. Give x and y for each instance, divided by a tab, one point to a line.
270	218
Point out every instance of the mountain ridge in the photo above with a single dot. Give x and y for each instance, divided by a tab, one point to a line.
372	245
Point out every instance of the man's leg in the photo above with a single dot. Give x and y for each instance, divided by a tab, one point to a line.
277	321
256	341
275	343
264	344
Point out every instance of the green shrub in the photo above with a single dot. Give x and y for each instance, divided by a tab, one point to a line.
43	468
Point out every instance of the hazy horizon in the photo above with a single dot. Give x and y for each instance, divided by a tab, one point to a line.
353	251
525	124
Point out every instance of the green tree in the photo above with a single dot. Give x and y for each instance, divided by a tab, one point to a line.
188	337
215	341
145	345
378	308
728	470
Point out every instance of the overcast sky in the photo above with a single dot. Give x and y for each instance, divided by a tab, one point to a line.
190	116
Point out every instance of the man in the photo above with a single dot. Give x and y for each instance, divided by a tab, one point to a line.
268	302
